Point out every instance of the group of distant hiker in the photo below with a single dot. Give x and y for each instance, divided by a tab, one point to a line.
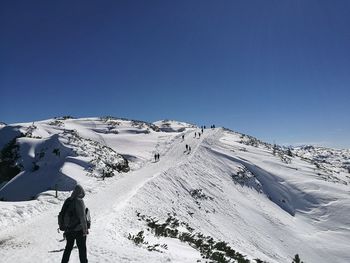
74	218
156	157
204	127
199	134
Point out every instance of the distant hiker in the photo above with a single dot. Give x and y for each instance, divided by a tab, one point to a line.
183	136
156	157
186	147
195	134
74	219
199	135
189	148
202	130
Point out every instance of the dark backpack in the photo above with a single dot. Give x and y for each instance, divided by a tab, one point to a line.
68	219
88	217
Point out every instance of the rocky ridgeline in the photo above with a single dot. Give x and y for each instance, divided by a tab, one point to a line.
113	123
104	160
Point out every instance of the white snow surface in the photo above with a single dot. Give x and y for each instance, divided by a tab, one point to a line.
262	205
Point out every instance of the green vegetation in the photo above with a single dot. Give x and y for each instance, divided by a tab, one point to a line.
210	249
67	117
8	160
198	194
57	123
139	240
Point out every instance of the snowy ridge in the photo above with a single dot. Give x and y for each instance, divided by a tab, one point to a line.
173	126
43	154
264	203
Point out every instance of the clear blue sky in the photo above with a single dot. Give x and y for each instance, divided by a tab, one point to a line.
278	70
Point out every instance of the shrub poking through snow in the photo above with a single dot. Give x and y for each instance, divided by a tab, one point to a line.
209	248
139	240
243	176
252	141
65	117
284	158
289	152
113	122
57	123
198	195
30	129
56	151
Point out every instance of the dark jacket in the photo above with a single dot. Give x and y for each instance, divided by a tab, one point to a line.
77	197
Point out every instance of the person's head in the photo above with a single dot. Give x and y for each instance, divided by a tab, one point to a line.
78	192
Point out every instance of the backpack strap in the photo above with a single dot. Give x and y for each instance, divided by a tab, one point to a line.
65	206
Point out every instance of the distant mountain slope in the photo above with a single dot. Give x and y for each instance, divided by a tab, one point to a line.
327	158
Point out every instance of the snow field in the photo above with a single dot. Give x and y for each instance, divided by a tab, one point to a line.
244	195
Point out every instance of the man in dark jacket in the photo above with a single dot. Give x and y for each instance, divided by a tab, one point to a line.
79	230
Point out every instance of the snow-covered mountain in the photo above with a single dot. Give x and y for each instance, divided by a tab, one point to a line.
334	160
232	198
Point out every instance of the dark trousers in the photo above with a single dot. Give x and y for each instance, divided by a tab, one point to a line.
81	243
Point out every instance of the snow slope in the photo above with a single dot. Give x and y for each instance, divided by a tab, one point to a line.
230	187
